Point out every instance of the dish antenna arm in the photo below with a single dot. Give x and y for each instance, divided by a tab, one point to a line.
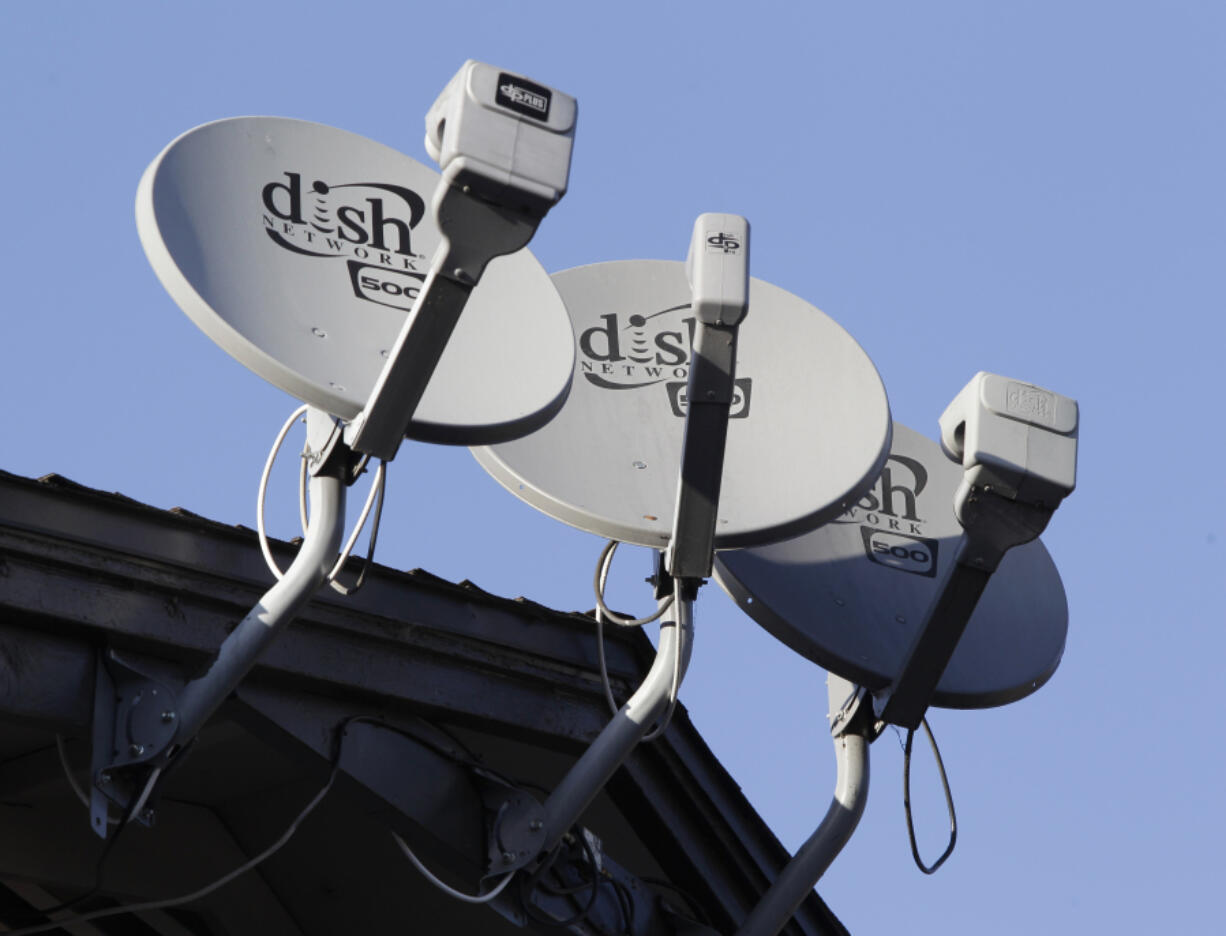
502	172
717	267
589	774
584	781
1017	444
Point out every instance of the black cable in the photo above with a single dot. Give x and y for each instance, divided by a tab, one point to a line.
685	895
906	800
529	886
107	849
338	745
625	902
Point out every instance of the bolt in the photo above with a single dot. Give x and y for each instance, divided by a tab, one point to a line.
536	825
168	716
508	857
136	750
146	815
104	777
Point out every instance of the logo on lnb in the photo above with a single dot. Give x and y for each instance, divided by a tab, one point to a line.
523	96
719	242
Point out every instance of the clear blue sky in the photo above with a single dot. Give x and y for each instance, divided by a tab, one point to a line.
1032	189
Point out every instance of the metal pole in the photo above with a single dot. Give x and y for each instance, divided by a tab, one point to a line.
816	855
602	758
202	696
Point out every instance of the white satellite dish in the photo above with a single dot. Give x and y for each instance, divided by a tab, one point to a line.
809	427
791	427
852	595
299	249
392	300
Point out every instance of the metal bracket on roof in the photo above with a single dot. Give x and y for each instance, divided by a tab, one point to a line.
517	835
135	721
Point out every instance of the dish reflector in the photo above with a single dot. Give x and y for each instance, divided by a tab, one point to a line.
299	248
809	428
852	595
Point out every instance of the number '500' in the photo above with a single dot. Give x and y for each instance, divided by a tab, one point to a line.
392	289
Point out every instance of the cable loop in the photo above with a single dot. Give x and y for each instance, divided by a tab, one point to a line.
374	498
378	485
906	800
262	493
674	691
446	888
603	564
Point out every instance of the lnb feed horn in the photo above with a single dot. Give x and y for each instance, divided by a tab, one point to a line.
1019	440
504	136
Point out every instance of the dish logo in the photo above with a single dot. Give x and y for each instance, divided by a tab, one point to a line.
637	350
915	554
893	500
630	352
371	223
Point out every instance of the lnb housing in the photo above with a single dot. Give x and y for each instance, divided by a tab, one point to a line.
503	137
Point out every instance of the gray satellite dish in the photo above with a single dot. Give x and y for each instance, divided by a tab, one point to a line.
299	249
809	427
852	595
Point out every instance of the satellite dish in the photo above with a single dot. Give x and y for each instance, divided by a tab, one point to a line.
299	249
852	595
809	427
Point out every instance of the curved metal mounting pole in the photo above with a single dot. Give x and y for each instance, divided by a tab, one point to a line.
602	758
142	721
851	722
201	697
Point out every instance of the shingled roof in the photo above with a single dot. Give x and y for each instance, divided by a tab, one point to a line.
506	684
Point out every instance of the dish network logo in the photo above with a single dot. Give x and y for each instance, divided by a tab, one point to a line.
370	223
890	525
646	350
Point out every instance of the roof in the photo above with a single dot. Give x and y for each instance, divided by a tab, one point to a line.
92	580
